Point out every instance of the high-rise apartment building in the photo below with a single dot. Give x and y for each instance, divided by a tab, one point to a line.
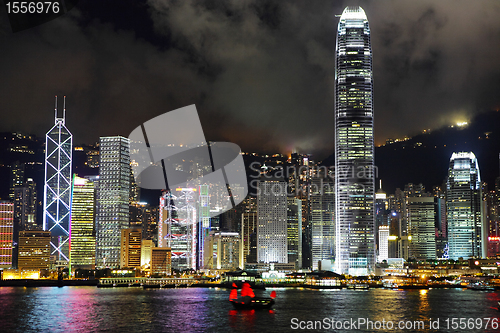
83	214
6	233
113	199
272	221
322	221
464	207
354	145
57	189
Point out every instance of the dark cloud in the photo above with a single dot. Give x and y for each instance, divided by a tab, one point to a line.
260	72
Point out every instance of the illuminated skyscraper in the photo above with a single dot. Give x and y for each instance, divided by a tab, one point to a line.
57	189
223	250
131	242
6	231
113	199
322	222
421	227
272	222
249	230
464	204
294	232
383	243
177	226
82	250
34	250
203	224
354	146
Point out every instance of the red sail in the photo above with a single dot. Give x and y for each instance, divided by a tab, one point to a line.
273	294
246	290
233	294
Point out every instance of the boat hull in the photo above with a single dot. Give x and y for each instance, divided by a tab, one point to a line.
255	303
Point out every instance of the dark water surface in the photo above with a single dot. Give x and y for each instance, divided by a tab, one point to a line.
89	309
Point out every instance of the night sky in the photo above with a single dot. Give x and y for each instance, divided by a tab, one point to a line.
261	73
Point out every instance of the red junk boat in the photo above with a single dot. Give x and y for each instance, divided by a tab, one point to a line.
248	300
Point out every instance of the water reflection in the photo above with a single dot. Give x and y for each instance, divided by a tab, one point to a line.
424	307
88	309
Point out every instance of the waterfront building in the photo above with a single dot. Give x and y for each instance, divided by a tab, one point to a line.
354	145
6	233
34	250
464	207
113	199
83	213
57	188
146	248
161	261
272	221
223	250
177	226
422	232
322	221
130	253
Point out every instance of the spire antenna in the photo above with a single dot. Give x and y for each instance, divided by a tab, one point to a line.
64	108
55	110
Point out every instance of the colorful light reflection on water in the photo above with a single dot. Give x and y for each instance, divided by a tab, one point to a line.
89	309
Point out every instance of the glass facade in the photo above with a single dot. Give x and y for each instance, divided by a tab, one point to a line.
113	199
354	145
322	220
294	232
421	223
82	243
463	203
57	189
6	231
272	222
178	225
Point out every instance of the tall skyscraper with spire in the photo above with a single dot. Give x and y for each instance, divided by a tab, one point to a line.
467	234
354	146
57	189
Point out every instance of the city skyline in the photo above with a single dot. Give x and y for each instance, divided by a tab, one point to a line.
354	114
225	148
141	68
